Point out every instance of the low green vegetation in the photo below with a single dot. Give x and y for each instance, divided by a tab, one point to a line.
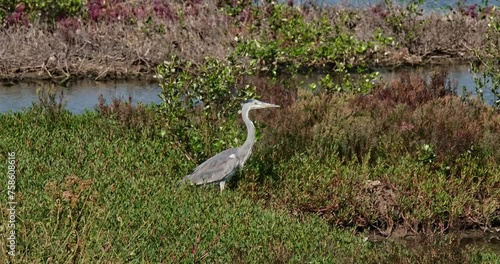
22	12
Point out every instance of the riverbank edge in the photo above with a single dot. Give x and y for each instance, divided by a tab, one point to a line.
148	73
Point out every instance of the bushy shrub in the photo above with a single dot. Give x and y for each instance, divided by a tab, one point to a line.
200	104
282	38
136	117
50	104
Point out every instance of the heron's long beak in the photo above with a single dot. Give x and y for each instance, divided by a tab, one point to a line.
267	105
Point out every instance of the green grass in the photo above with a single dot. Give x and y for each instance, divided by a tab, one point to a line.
92	191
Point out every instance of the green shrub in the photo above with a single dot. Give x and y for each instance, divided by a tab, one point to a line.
486	72
281	37
201	103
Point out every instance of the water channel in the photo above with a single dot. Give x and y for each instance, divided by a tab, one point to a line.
80	96
83	94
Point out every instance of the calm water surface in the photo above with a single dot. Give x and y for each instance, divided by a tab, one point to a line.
459	76
83	94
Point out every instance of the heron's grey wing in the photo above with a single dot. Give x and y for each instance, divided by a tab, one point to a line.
216	168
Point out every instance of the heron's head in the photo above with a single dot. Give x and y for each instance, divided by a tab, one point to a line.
256	104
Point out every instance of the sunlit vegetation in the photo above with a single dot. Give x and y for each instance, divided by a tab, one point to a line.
339	161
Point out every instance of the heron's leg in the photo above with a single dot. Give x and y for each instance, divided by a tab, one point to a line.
221	184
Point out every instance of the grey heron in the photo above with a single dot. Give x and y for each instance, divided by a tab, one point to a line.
221	167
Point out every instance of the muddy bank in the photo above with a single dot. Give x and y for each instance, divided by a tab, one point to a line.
80	47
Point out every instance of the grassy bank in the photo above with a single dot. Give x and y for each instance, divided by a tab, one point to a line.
128	39
103	186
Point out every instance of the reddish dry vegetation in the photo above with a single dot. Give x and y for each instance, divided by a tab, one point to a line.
379	131
415	112
129	38
389	121
128	115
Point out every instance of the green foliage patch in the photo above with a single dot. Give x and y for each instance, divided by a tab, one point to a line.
282	38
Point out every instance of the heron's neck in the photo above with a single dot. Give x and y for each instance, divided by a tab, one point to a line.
250	130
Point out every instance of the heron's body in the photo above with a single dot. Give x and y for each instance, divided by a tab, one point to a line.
218	169
221	167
